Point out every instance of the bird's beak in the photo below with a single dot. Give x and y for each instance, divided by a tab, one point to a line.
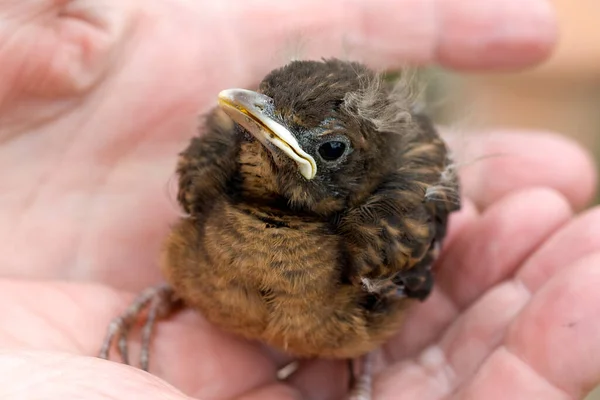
253	111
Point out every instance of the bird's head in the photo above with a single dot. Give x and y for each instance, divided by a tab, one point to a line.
327	131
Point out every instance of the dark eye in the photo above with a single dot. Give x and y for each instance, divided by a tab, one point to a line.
331	151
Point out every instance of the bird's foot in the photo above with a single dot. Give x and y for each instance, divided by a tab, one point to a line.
362	381
160	302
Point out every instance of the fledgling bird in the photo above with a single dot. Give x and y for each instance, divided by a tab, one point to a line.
315	209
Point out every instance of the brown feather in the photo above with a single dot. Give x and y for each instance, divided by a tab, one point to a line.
324	267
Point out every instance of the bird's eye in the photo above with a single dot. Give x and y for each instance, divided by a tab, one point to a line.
331	151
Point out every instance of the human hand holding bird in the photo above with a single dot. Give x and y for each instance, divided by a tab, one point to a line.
124	164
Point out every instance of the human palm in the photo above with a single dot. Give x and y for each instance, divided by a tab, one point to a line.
91	123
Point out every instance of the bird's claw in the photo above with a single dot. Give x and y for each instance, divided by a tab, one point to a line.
361	383
160	301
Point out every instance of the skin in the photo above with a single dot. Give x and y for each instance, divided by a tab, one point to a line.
517	319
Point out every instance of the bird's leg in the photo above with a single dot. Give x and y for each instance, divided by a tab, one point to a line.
160	301
361	382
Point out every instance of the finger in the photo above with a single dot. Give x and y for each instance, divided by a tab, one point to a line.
54	375
555	338
442	368
462	20
502	238
485	253
456	33
505	376
501	162
478	333
186	351
460	222
579	238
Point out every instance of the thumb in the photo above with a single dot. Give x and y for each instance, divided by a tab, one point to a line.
26	375
51	375
455	33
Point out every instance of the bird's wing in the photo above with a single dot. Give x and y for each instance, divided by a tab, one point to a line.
206	166
394	235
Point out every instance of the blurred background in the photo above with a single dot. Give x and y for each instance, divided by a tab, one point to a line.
562	95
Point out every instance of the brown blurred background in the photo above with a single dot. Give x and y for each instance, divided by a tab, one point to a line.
562	95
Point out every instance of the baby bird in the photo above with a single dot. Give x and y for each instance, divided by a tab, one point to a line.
315	209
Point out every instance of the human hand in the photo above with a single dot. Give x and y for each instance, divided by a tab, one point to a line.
87	176
513	314
98	97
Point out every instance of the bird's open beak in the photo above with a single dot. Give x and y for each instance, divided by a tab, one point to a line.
253	111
